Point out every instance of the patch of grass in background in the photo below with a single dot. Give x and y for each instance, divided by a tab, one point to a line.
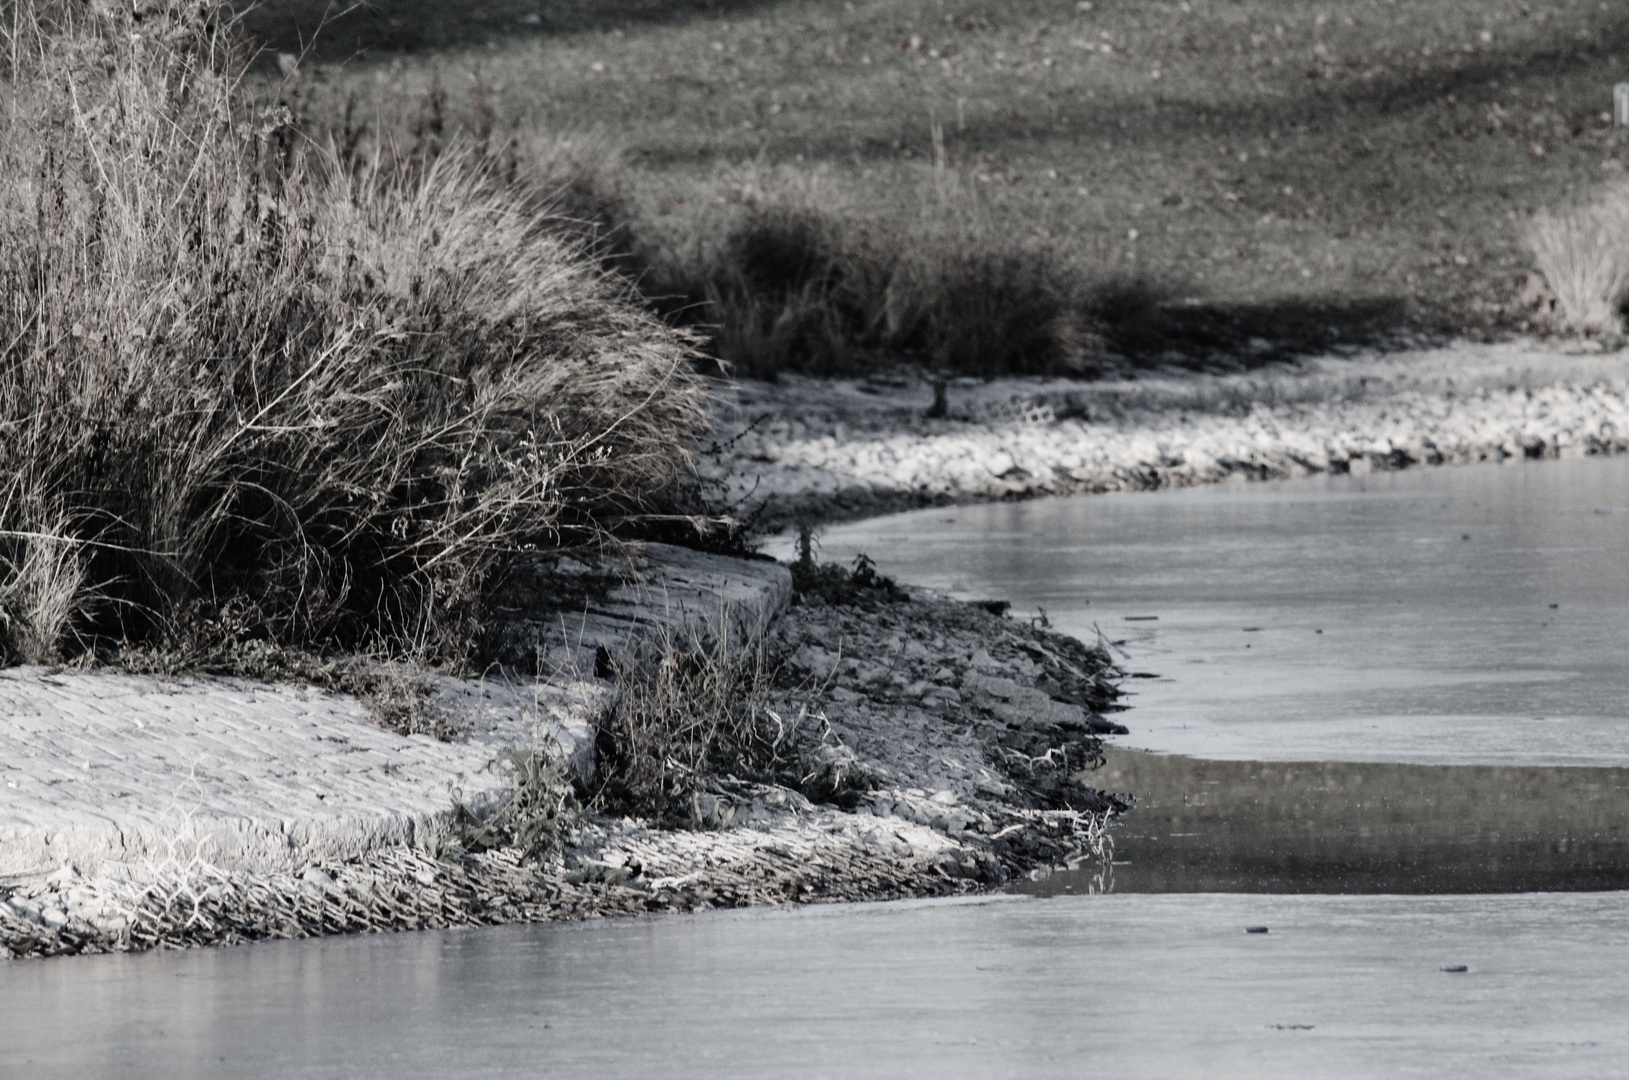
781	282
1583	252
241	368
1225	181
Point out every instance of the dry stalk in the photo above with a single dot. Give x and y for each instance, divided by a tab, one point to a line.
694	706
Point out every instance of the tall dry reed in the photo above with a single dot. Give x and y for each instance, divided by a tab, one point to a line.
236	366
1583	252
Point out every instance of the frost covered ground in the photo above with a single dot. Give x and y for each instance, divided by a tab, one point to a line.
950	734
944	745
814	449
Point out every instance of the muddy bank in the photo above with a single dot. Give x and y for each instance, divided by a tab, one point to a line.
941	751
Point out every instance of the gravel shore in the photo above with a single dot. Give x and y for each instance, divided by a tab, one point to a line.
822	450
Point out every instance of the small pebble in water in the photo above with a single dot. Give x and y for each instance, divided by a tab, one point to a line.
1455	969
1255	929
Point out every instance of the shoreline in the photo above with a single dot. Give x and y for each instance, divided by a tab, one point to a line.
812	450
941	770
951	736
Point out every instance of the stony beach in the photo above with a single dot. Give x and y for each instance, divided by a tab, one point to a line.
818	450
944	743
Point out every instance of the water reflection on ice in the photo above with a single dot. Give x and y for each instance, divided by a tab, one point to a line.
1343	827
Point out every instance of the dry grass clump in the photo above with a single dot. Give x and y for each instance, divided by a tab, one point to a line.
537	819
235	363
783	282
1583	253
693	706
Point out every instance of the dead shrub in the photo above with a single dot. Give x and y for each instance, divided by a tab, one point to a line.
782	282
1583	252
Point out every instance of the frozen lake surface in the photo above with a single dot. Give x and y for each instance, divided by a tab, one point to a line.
1408	791
1473	615
1123	986
1358	827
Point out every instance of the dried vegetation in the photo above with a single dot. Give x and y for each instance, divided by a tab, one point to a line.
780	281
694	707
1583	252
237	363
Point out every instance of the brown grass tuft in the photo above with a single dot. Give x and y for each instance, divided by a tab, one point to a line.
782	281
693	706
1583	253
235	362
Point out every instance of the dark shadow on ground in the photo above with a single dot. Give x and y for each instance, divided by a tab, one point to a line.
395	26
1148	328
1322	105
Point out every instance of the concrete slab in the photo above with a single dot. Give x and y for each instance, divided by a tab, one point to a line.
99	767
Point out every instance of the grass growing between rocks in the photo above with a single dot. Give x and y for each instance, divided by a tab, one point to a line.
829	583
1185	183
539	818
694	706
246	369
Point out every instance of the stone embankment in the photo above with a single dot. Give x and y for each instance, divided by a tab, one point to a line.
941	740
810	450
